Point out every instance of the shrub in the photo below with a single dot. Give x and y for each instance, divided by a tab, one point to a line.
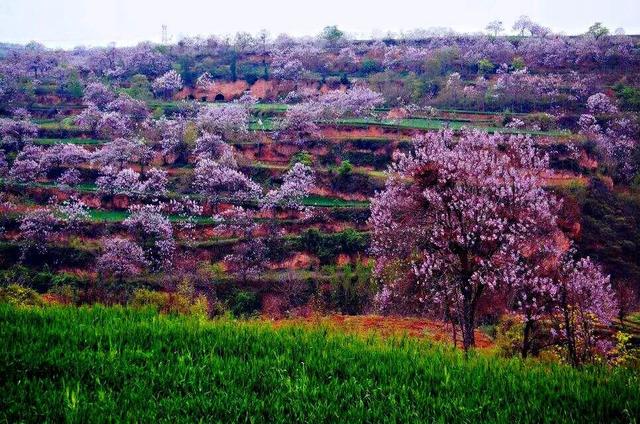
244	303
17	295
143	298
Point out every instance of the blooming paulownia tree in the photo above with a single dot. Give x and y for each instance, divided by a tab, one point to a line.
296	184
453	217
121	258
219	183
168	84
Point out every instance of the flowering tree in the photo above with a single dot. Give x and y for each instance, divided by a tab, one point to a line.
211	146
600	103
37	229
125	181
155	183
524	23
584	299
73	212
355	102
205	81
284	68
110	125
249	256
133	109
4	165
98	94
14	133
218	183
25	171
299	121
296	185
69	178
495	27
121	258
168	84
452	217
154	230
119	152
226	121
614	142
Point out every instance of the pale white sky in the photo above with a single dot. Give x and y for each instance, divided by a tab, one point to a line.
67	23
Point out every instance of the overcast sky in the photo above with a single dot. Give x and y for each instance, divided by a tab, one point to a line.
68	23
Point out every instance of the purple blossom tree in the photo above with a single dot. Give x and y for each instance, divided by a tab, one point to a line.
167	85
220	183
296	185
155	183
584	299
210	146
98	94
125	181
73	212
154	230
69	178
227	121
14	133
452	218
600	103
37	229
120	259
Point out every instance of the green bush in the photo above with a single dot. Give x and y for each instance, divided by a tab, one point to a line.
17	295
244	303
143	298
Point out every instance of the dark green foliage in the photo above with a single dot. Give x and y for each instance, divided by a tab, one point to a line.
303	157
73	87
328	246
485	66
118	364
629	96
611	231
243	303
370	66
352	288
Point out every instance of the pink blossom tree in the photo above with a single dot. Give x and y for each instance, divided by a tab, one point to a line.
154	230
121	258
600	103
296	185
98	94
211	146
168	84
14	133
452	217
73	212
227	121
220	183
125	181
155	183
584	300
37	229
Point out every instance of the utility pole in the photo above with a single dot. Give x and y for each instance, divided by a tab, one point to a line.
165	37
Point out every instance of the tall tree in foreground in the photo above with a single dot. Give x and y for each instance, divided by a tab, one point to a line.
454	219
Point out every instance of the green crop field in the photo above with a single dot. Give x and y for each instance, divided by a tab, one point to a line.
72	140
117	364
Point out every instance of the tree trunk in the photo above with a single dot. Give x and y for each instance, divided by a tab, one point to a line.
468	320
571	346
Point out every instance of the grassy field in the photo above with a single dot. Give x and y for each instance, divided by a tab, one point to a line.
72	140
112	364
